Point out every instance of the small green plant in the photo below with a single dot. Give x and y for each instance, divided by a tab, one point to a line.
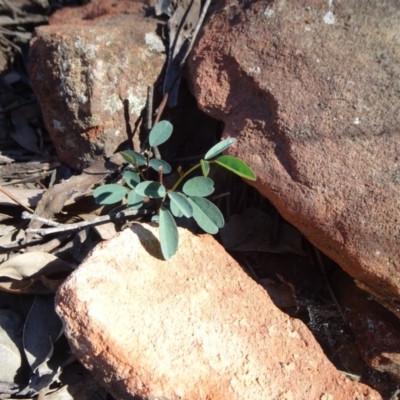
169	202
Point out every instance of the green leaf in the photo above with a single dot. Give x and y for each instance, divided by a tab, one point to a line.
205	167
109	194
199	186
160	133
219	148
206	214
133	157
181	203
237	166
150	189
156	164
169	236
132	178
176	212
135	201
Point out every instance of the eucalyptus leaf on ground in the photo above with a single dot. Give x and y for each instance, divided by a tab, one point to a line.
206	214
199	186
109	194
42	328
236	166
33	272
11	348
219	148
150	189
160	133
169	236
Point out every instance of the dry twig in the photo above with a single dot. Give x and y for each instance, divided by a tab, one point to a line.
79	225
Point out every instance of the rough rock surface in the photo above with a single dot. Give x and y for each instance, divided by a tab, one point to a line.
195	327
376	330
311	90
90	70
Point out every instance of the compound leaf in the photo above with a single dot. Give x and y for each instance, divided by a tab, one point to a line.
135	201
160	133
181	203
219	148
109	194
169	236
237	166
132	178
206	214
156	164
133	157
199	186
150	189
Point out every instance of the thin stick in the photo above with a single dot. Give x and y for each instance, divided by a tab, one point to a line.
194	35
149	124
26	215
196	31
13	198
149	115
79	225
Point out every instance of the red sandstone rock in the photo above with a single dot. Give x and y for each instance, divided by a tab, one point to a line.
90	71
195	327
376	330
308	89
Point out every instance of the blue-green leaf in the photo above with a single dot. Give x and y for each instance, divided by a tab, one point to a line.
176	212
135	201
150	189
219	148
181	203
199	186
160	133
205	167
156	164
169	236
237	166
206	214
132	178
109	194
133	157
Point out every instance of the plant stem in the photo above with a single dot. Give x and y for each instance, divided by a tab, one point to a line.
183	176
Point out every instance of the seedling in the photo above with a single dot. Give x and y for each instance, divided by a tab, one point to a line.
171	203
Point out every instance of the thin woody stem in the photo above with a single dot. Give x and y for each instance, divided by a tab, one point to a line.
79	225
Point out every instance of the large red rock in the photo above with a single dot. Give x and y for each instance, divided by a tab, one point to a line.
195	327
90	70
311	91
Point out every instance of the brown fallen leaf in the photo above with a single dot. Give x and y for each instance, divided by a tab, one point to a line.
23	133
33	273
24	197
56	197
